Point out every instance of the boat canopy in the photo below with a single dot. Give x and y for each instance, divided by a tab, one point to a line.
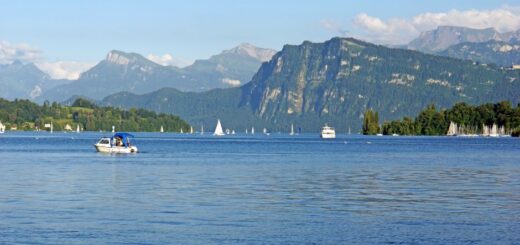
125	138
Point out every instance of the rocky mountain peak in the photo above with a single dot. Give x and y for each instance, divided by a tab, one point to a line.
261	54
119	57
446	36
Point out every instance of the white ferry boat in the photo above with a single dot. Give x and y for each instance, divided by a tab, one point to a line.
328	132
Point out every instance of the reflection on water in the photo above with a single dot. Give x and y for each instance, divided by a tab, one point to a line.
278	189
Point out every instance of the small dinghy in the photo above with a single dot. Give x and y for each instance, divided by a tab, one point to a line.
119	143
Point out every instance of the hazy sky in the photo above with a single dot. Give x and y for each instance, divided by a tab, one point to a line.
70	36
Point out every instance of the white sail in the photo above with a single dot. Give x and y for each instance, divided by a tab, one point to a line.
113	129
453	129
182	131
162	129
218	129
201	129
191	130
292	129
2	128
77	128
494	131
485	130
52	128
501	130
253	130
246	131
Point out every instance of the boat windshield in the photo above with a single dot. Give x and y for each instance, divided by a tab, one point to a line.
104	141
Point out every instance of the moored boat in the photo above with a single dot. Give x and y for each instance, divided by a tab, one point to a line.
2	128
119	143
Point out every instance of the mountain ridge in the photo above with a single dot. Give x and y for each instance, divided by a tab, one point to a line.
132	72
443	37
502	53
335	82
24	80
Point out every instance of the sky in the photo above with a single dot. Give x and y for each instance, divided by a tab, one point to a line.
65	38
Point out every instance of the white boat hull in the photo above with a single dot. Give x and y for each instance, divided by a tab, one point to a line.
115	149
328	136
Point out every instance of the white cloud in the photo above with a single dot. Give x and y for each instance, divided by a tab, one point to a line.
391	31
169	60
232	82
22	52
401	30
334	27
64	69
27	54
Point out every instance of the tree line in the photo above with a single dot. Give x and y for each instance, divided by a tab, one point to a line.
26	115
431	121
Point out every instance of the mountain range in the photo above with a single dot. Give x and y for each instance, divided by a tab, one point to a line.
307	85
19	80
132	72
121	71
480	45
497	52
335	82
446	36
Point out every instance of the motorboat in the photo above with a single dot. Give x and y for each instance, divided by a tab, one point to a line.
119	143
328	132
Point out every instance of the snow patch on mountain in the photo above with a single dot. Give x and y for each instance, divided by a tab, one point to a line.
232	82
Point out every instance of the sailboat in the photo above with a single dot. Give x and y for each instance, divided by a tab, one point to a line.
453	129
182	131
218	129
77	129
2	128
201	129
162	129
253	130
266	132
246	131
292	129
191	130
113	129
494	131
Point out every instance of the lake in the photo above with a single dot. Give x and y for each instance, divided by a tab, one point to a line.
243	189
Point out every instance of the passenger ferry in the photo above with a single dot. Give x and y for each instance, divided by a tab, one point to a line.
328	132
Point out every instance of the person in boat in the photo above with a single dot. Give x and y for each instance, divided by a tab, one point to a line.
118	141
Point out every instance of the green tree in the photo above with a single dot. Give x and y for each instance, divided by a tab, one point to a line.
371	123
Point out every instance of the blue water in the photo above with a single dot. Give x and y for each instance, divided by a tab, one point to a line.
192	189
